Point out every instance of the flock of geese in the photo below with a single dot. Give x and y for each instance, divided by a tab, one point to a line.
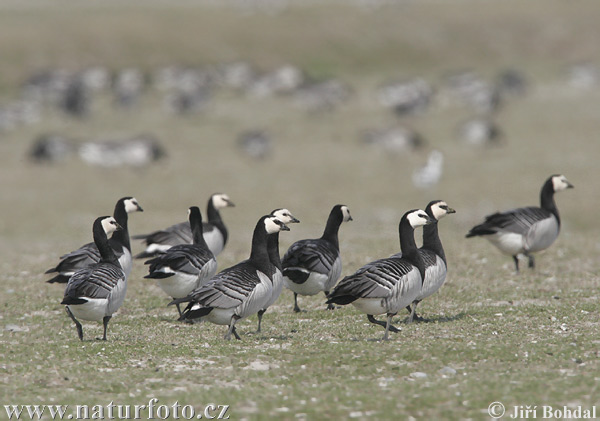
182	260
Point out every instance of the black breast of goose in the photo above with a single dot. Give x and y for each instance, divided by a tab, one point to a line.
433	255
239	291
314	265
286	217
214	231
387	285
184	267
97	292
88	254
525	230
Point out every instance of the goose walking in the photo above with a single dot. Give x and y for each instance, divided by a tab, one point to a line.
184	267
432	253
314	265
525	230
96	292
88	254
214	231
286	217
239	291
386	286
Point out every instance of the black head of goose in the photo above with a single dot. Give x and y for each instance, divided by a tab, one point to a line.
524	231
184	267
387	285
88	254
314	265
241	290
286	217
433	255
214	231
96	292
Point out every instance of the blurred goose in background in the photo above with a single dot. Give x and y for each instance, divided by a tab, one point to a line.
393	139
97	292
239	291
386	286
214	231
429	175
314	265
137	151
88	254
480	132
256	144
51	148
525	230
184	267
286	217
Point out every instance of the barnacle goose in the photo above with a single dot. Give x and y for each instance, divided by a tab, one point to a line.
525	230
88	254
432	253
387	285
286	217
184	267
239	291
97	291
312	266
214	231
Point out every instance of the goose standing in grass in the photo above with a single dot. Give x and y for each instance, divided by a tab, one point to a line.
386	286
525	230
312	266
184	267
96	292
89	254
214	231
239	291
432	253
286	217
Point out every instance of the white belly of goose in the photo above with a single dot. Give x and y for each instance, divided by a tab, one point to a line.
178	285
93	309
126	262
434	278
507	242
277	288
214	240
541	235
116	297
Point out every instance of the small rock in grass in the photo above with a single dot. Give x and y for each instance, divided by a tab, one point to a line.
447	371
418	375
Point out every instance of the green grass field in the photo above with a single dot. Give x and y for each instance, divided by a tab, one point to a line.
492	335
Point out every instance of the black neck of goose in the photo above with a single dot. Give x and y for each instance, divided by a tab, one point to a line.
120	215
409	246
214	217
547	199
273	250
196	227
259	255
332	227
431	240
101	240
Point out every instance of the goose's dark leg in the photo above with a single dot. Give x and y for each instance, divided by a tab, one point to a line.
373	320
516	259
77	324
178	309
296	308
329	306
105	321
231	330
531	261
236	334
260	314
413	313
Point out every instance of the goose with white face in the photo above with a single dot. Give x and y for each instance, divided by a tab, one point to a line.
285	216
419	218
346	214
110	225
560	183
274	225
441	209
132	205
221	200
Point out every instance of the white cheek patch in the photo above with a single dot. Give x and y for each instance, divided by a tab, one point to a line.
131	205
108	224
437	210
220	201
345	213
417	219
271	226
559	183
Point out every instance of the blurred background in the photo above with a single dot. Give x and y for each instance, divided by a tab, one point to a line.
380	105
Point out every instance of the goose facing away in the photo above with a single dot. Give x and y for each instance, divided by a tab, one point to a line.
214	231
184	267
525	230
432	253
386	286
239	291
96	292
314	265
88	254
286	217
